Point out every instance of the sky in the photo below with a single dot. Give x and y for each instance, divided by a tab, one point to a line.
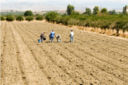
39	5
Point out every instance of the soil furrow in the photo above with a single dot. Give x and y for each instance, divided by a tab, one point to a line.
105	52
65	67
2	38
92	59
10	71
33	33
33	73
53	79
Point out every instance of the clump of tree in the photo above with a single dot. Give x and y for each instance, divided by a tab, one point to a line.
119	25
70	9
59	19
104	11
112	12
125	27
72	21
51	16
28	13
29	18
39	17
87	11
10	18
96	10
64	20
125	10
19	18
2	18
103	19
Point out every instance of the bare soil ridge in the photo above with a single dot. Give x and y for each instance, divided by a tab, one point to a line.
93	59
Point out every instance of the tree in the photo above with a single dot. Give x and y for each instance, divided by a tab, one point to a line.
70	9
105	25
19	18
104	10
65	20
88	11
58	19
112	12
39	17
29	18
75	13
72	21
28	13
2	18
96	10
117	26
125	27
10	18
125	10
51	16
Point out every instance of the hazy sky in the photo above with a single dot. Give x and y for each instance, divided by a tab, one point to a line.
60	4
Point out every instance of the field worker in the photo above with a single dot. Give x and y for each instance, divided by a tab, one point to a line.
42	36
71	36
52	35
58	38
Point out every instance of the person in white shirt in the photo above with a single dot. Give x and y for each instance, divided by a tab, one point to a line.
71	36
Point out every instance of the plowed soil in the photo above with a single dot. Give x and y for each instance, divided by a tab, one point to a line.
92	59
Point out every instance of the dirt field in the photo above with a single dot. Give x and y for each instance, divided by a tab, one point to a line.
93	59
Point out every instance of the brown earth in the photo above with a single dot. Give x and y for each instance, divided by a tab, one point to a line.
92	59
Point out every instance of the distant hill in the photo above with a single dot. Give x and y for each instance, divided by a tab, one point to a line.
12	13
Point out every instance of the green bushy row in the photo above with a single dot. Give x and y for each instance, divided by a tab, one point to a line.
28	15
103	18
20	18
106	21
97	18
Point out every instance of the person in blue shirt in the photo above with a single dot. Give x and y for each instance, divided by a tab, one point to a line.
52	35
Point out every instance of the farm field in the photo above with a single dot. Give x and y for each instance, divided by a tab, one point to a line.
93	59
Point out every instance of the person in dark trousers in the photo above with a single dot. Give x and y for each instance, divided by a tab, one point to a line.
52	35
42	36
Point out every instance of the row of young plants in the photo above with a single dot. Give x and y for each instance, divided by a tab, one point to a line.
28	15
20	18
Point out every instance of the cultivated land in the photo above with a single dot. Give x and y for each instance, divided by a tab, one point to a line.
93	59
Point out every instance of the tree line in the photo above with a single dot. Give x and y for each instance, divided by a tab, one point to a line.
96	18
28	15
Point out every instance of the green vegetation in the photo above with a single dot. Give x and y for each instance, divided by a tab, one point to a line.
19	18
95	18
125	9
125	27
96	10
29	18
39	17
28	13
70	9
112	12
10	18
88	11
2	18
51	16
104	10
103	18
